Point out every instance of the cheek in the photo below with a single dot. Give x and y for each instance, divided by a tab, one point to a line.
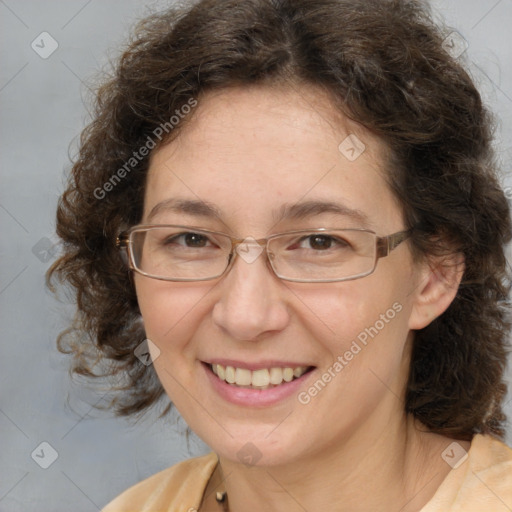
171	311
361	336
347	309
360	328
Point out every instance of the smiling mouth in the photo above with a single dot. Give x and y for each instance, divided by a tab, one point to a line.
264	378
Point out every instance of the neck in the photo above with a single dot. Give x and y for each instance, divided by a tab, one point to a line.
398	468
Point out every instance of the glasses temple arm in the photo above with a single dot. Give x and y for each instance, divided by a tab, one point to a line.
386	244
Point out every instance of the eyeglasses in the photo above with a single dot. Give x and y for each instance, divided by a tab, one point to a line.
187	253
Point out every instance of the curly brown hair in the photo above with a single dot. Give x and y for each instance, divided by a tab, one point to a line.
384	65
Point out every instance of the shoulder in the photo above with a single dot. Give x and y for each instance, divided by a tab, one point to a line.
480	480
178	488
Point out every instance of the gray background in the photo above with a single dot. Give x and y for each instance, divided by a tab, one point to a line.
42	113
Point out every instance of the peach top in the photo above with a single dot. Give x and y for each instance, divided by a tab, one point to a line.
482	483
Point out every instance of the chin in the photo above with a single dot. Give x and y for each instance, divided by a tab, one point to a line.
255	446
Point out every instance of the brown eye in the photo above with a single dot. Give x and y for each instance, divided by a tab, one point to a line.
192	240
195	240
320	242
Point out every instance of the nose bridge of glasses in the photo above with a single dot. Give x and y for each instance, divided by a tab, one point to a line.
248	248
248	240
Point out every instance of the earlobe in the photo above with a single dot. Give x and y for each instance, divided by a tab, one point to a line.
436	288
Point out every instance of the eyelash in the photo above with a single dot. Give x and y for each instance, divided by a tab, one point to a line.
331	239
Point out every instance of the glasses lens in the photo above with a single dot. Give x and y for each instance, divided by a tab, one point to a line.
329	255
174	252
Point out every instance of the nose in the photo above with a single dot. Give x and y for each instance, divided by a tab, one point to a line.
251	302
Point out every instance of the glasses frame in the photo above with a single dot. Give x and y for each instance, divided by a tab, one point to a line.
384	245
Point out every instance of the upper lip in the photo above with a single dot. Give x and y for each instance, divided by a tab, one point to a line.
269	363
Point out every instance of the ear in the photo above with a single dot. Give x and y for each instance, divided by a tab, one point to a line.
436	287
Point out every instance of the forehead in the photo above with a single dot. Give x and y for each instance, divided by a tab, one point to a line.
253	153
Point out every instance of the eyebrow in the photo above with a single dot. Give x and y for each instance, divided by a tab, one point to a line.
196	208
296	211
312	208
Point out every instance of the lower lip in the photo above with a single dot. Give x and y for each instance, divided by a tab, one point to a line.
255	397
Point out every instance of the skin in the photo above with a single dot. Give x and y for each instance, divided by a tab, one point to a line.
249	151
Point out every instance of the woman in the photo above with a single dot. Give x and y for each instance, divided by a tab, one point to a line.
295	204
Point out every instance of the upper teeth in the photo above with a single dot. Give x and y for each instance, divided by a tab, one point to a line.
258	378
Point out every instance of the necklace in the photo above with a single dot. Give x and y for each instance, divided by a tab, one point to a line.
222	499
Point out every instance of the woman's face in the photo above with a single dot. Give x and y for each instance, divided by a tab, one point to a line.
253	154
